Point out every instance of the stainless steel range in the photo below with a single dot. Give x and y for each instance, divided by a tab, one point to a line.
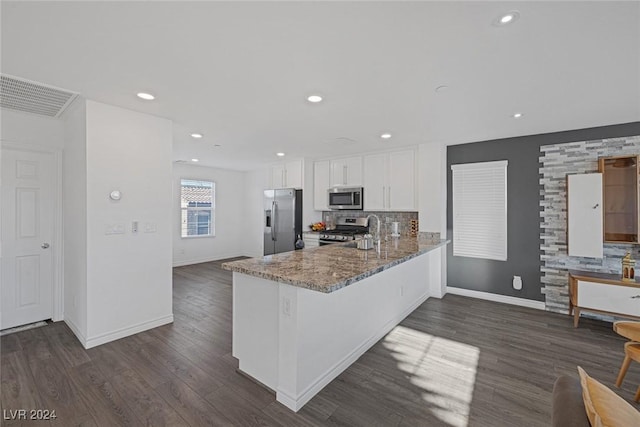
347	228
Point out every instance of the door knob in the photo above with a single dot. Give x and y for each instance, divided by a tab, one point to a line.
44	246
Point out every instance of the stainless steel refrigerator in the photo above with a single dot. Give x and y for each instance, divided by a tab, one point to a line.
282	219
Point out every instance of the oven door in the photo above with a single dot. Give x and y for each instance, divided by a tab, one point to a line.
341	198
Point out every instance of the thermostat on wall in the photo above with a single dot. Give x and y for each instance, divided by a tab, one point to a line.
115	195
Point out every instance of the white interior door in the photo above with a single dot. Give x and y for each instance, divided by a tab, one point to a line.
28	184
584	213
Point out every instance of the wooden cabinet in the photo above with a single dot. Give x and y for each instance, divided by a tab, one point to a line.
321	183
287	175
620	193
604	294
389	181
346	171
584	215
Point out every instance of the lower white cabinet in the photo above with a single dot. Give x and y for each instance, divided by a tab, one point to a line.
311	239
603	293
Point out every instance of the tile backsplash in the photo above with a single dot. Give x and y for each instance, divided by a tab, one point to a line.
386	217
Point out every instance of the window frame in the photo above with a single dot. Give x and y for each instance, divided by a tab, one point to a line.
211	209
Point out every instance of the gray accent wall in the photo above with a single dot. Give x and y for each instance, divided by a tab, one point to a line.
523	204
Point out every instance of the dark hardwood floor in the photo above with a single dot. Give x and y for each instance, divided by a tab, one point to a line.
453	362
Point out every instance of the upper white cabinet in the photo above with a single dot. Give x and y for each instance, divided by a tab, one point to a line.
287	175
346	172
321	183
375	181
402	180
389	181
277	176
584	212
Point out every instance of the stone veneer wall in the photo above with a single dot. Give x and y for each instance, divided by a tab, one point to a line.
556	161
386	217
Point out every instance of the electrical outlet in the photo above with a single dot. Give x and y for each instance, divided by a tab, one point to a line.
517	283
114	229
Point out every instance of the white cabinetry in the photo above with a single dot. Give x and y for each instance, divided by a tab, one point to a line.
584	215
311	239
389	181
375	182
603	293
321	183
287	175
346	171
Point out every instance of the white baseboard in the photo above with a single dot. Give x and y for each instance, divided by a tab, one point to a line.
295	403
497	298
184	262
126	331
74	328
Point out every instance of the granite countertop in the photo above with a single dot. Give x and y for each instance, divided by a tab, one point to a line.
332	267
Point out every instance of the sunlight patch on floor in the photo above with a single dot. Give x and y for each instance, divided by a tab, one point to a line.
443	368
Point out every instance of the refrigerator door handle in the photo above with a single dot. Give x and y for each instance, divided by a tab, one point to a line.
274	220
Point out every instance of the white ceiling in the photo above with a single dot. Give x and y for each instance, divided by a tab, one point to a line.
239	72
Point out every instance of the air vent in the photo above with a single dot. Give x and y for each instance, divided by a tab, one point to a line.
33	97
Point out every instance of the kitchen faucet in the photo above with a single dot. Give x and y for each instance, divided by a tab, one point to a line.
377	238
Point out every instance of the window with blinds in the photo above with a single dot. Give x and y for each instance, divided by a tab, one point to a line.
480	210
197	203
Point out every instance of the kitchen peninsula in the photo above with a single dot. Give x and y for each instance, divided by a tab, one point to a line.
301	318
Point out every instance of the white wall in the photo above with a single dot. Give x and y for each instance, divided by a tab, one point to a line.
74	184
33	129
230	228
129	277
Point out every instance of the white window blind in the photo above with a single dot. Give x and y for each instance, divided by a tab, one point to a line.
480	210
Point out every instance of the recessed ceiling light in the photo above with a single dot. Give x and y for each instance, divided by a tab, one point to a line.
280	154
314	98
517	115
195	160
196	135
145	96
385	135
507	18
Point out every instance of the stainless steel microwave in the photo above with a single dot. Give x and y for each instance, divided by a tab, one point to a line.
345	198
